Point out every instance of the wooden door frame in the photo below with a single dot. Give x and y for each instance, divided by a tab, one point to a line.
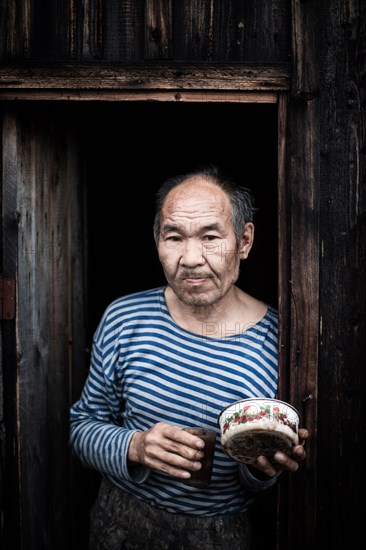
298	260
299	317
174	81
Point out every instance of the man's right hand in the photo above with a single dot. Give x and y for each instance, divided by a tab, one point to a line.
167	449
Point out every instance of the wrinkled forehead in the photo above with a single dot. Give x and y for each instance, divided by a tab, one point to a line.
197	196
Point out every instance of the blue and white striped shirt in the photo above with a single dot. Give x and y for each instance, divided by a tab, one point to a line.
146	369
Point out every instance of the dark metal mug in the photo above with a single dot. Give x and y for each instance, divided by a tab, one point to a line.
202	477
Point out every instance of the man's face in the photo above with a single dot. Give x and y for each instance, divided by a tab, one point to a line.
197	246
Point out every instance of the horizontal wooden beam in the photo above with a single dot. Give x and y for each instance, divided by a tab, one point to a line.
204	96
168	81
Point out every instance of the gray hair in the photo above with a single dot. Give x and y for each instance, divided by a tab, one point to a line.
241	199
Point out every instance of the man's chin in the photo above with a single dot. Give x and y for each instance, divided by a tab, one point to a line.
197	299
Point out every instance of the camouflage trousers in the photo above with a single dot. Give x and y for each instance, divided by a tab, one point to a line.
120	521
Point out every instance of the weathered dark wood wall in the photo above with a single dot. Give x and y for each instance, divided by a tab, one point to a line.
299	268
135	30
324	208
342	290
43	204
212	50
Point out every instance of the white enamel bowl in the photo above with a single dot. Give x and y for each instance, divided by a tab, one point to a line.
253	427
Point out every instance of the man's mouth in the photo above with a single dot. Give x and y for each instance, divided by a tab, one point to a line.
195	276
195	279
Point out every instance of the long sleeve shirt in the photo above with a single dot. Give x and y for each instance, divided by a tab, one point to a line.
146	369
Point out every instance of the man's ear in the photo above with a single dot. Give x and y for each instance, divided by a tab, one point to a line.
246	240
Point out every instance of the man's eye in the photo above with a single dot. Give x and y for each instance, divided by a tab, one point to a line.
210	238
173	239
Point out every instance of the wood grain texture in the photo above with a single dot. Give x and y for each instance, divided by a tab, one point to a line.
305	28
299	275
10	448
302	344
266	30
324	332
123	31
131	30
342	359
158	29
142	77
15	29
190	96
50	344
193	30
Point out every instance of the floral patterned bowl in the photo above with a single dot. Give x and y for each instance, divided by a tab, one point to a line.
253	427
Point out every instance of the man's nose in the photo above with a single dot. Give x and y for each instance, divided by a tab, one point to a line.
193	254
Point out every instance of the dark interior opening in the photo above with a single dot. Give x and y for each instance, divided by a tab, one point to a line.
133	147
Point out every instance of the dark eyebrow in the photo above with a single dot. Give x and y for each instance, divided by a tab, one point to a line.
211	227
169	227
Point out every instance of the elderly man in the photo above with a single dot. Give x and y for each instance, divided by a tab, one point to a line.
174	357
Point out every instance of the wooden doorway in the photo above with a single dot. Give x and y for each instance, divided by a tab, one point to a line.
124	172
75	182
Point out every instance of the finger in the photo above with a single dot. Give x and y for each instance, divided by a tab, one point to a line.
172	464
266	466
184	449
303	434
175	460
286	462
186	452
189	439
172	470
298	452
174	439
171	452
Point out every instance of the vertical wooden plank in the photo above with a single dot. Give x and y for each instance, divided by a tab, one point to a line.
299	311
232	31
300	283
15	29
93	35
125	25
193	30
303	290
284	298
85	29
10	455
71	30
325	169
305	82
50	322
53	36
205	30
342	373
158	29
38	180
284	251
252	31
229	30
